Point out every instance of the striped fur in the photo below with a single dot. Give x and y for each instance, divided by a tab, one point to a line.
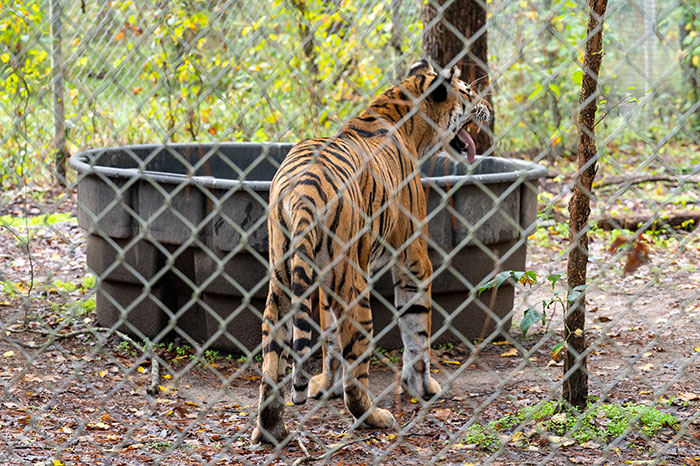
336	206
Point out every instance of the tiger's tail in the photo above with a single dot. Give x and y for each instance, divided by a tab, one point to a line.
304	237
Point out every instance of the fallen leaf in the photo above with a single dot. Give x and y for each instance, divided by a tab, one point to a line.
689	396
457	363
510	353
646	367
557	353
98	426
560	441
8	354
443	414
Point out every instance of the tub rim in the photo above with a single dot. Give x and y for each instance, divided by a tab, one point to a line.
80	162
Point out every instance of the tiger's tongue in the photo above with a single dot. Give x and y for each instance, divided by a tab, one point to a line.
464	136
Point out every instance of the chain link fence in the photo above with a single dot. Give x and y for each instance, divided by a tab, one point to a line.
132	295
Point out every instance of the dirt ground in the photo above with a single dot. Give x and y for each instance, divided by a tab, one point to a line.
80	397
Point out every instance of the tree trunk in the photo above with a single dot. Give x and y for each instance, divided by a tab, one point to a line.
575	380
59	140
459	36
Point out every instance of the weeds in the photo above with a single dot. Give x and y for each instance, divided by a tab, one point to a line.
602	423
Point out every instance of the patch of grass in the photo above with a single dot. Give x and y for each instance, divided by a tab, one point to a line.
37	220
79	308
550	236
11	290
483	436
381	353
602	424
211	356
62	286
88	282
86	306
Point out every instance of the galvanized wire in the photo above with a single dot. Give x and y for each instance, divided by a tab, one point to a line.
132	299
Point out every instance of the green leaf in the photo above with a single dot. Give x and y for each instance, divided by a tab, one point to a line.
556	351
554	88
530	317
577	77
536	92
576	293
523	277
496	282
553	279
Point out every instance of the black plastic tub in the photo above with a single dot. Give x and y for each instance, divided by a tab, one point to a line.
177	235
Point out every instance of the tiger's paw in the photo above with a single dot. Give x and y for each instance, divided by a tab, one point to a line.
273	435
420	387
432	388
379	419
320	386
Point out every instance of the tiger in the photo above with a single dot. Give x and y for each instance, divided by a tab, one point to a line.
337	207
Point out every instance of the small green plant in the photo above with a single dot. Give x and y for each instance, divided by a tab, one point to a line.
123	346
532	315
86	306
10	289
483	436
159	446
62	286
382	353
37	220
447	347
182	350
88	282
211	356
242	360
601	423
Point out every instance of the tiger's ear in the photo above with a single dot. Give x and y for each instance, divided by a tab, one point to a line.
453	75
420	67
439	94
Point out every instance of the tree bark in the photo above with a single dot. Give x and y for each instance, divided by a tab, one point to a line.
59	140
458	34
575	380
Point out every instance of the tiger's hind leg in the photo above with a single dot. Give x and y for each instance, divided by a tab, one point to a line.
355	335
412	297
329	382
270	426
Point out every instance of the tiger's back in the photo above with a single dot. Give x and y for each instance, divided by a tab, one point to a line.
338	204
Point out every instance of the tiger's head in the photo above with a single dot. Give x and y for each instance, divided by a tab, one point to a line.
448	105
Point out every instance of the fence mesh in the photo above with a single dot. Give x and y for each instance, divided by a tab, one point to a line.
132	297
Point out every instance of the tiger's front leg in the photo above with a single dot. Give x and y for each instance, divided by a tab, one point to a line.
412	298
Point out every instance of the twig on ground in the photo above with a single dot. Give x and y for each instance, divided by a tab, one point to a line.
154	389
627	181
329	453
31	265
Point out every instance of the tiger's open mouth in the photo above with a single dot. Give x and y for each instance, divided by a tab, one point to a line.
464	144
